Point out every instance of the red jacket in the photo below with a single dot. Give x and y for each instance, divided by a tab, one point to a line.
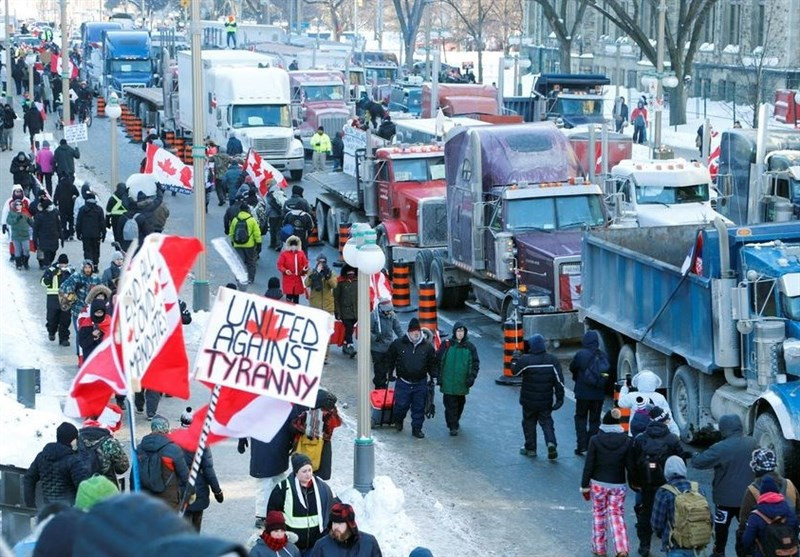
635	114
293	265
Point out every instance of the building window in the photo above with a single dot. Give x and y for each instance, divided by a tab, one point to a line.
721	92
711	25
759	23
732	23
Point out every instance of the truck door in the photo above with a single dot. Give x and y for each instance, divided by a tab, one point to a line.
493	216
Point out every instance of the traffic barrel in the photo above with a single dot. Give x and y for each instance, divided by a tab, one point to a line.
344	235
137	130
401	286
187	152
313	236
101	107
513	345
177	149
169	139
427	307
625	413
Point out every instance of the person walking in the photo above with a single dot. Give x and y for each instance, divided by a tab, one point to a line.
33	122
273	541
45	166
64	159
90	228
302	223
413	361
384	329
168	477
57	468
9	117
771	528
458	369
344	538
234	147
21	170
58	319
620	114
234	179
541	394
345	298
589	368
245	236
222	162
205	484
116	209
321	146
609	464
19	224
230	32
293	266
74	291
319	423
337	151
320	284
65	196
98	447
46	232
639	119
112	273
275	201
730	459
680	536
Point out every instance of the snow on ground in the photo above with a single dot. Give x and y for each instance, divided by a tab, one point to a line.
17	423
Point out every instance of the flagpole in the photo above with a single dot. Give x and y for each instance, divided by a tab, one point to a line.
201	446
134	458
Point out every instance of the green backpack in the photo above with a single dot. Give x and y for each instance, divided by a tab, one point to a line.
691	526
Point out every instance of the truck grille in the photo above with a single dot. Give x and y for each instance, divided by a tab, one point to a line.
271	147
432	224
332	123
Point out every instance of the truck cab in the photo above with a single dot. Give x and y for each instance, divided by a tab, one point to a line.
661	193
126	62
318	99
406	96
92	45
572	100
380	68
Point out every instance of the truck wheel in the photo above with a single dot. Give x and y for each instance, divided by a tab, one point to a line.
608	343
626	362
321	216
296	175
684	400
383	243
446	296
332	228
422	267
768	434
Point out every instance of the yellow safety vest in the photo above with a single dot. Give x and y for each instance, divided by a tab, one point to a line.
292	521
118	208
53	288
320	143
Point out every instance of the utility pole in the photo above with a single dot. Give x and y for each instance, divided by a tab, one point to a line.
9	61
616	77
65	74
379	25
200	293
428	17
659	108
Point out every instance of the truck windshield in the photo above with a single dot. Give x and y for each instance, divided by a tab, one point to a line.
418	170
791	307
554	213
668	195
323	93
579	107
130	66
381	75
256	115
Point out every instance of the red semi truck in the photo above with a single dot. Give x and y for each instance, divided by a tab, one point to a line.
318	99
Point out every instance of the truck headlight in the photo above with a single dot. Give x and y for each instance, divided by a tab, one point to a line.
405	238
571	269
296	150
538	301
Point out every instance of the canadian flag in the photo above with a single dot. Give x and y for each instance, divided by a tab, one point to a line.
238	414
168	170
103	372
379	289
55	66
262	172
713	153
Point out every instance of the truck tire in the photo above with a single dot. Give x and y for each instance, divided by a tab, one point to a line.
332	228
296	175
684	400
447	297
321	216
768	434
383	243
626	363
422	266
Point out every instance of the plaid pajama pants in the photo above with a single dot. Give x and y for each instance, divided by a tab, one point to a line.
608	504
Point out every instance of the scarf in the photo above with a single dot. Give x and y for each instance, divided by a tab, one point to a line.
314	423
302	499
275	544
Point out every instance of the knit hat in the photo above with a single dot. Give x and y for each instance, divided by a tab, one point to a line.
342	512
56	538
66	433
297	190
298	461
768	485
658	414
612	417
674	467
413	325
90	195
322	257
98	305
641	403
45	144
93	490
274	521
243	191
117	256
763	460
420	552
62	259
159	424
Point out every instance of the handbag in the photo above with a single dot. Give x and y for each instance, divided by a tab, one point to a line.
337	338
312	448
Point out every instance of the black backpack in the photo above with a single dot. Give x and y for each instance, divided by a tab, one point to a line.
91	455
150	472
240	232
650	464
593	374
779	539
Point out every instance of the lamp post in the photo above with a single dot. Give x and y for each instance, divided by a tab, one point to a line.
9	60
362	251
113	111
65	73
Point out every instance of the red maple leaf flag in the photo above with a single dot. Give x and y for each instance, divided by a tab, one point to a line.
262	172
166	167
168	170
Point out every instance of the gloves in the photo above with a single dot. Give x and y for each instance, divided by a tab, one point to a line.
587	495
219	497
391	378
242	446
5	229
559	403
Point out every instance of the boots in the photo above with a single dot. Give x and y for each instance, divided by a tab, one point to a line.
18	261
349	350
25	261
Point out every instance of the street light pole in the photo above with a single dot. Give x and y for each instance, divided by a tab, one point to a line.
9	61
200	292
64	64
659	108
113	111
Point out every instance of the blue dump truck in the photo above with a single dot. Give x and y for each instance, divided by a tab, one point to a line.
714	312
124	61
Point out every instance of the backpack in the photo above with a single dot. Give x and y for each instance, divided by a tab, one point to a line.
92	456
788	490
150	472
241	234
639	122
593	375
130	230
650	465
691	526
779	539
286	231
298	219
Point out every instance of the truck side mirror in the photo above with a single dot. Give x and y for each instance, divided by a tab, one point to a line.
741	305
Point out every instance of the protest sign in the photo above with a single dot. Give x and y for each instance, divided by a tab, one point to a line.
265	347
76	133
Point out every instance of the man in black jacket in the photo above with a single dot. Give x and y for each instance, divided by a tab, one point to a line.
541	394
32	123
58	468
589	368
175	476
9	116
91	228
64	159
65	195
58	320
414	361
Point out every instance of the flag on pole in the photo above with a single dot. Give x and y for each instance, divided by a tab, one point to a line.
168	170
262	172
714	148
380	288
55	66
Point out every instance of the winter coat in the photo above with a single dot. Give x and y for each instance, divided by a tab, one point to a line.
772	505
337	147
91	222
47	229
112	459
646	382
293	265
230	214
582	360
260	549
65	195
330	420
33	122
657	441
345	298
234	146
786	488
221	163
174	469
111	275
60	471
272	459
320	143
44	160
151	215
253	230
384	328
274	202
79	284
233	178
19	225
296	203
8	117
412	362
359	545
458	363
21	170
730	459
206	482
304	505
64	157
542	379
610	457
639	112
320	289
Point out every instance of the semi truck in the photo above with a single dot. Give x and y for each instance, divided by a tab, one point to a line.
124	61
92	43
245	98
516	205
318	99
787	106
714	312
470	100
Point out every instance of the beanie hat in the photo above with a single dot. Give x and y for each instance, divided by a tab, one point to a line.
768	485
45	144
763	460
274	282
117	255
159	424
658	414
98	304
322	257
93	490
57	537
420	552
298	461
62	259
274	521
297	190
413	325
243	191
342	512
66	433
612	417
674	467
536	344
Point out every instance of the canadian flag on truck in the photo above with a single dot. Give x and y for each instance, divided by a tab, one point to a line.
262	172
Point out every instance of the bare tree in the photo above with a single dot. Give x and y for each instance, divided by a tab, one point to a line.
508	20
474	14
409	16
565	18
684	29
338	12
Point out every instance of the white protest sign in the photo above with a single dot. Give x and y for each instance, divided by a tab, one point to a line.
143	317
263	346
76	133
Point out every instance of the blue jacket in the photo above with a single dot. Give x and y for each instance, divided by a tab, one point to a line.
772	505
582	360
271	459
232	179
206	481
234	147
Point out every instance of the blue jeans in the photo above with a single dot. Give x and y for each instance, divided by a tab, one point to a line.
410	395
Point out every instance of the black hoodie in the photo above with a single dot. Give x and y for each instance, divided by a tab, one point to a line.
658	443
583	358
542	379
60	470
609	458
